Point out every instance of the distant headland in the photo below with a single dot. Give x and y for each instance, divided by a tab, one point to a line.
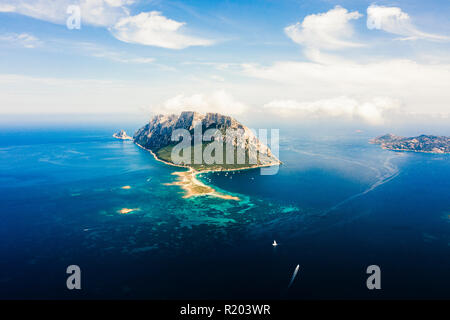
422	143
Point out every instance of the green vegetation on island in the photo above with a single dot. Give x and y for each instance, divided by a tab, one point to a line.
248	151
422	143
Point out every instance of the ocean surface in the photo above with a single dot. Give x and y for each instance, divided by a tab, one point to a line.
337	205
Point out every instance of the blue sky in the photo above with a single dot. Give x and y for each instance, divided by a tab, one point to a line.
362	60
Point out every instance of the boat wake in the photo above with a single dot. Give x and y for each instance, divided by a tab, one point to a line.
386	173
390	172
313	222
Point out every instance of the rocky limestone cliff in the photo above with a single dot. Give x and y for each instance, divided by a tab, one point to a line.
157	134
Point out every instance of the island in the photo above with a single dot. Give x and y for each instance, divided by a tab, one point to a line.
422	143
122	135
156	137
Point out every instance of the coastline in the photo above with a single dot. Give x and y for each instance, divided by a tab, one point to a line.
407	150
256	166
160	160
188	181
416	151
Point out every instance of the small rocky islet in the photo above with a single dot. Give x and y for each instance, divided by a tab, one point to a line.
122	135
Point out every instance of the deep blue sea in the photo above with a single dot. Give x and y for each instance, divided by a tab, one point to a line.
337	205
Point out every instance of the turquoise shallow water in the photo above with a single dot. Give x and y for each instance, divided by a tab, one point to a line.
337	205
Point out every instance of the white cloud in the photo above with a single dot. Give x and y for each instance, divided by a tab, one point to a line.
395	21
421	87
25	40
118	58
119	3
374	111
217	78
329	30
147	28
25	94
139	60
153	29
7	8
93	12
106	53
218	101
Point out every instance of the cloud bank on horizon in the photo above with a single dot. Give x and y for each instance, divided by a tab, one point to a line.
364	64
372	112
218	101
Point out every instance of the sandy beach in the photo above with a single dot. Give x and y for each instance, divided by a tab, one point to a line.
127	210
188	181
